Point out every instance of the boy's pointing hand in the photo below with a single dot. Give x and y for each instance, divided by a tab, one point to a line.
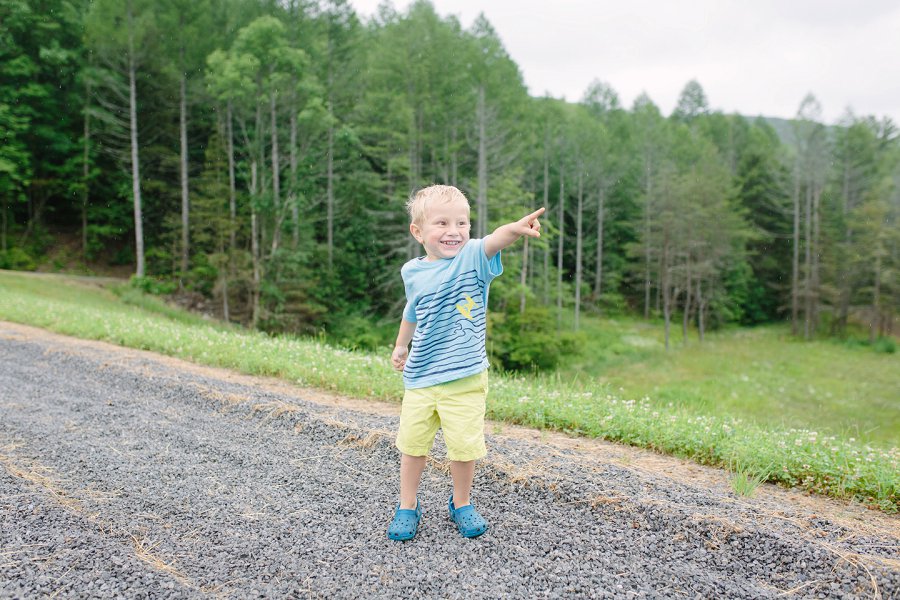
506	235
530	225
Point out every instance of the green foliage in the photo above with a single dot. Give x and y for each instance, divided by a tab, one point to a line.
529	341
356	332
17	259
152	285
885	345
202	276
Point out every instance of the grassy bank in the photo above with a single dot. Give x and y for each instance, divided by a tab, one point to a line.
762	374
836	465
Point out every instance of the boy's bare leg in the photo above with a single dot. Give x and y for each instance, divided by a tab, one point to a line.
463	473
411	468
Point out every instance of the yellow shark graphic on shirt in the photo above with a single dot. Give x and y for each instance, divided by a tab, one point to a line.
466	310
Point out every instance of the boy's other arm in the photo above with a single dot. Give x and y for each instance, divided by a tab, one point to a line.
401	346
505	235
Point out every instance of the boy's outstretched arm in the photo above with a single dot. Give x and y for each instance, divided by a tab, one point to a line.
505	235
401	346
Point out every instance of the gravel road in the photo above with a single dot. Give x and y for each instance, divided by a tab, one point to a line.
126	474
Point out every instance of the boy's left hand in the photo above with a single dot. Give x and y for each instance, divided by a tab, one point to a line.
530	225
509	233
398	357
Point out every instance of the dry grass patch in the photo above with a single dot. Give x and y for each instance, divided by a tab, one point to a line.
329	420
718	528
601	500
40	475
363	439
275	409
534	474
220	397
143	550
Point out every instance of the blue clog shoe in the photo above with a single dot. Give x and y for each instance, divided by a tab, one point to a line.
405	523
468	521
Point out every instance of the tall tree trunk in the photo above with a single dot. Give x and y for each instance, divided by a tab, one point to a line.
578	249
701	308
875	326
224	273
30	206
330	191
546	274
413	145
135	169
292	195
659	288
454	157
185	200
649	186
444	163
482	164
816	258
276	174
86	168
807	263
840	325
687	303
560	245
598	273
225	309
260	167
3	226
526	253
664	286
254	243
795	263
523	277
232	190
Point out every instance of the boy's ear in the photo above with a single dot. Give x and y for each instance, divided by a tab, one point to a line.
416	232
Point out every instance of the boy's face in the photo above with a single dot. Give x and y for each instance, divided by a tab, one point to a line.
444	230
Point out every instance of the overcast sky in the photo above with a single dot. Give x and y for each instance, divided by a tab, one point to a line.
754	58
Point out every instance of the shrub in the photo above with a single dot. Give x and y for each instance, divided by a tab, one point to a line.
359	333
151	285
885	345
17	259
529	341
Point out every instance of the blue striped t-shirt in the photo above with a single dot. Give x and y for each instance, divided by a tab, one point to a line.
447	300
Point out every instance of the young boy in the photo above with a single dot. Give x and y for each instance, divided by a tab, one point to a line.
445	373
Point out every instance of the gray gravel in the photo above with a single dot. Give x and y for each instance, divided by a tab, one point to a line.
126	476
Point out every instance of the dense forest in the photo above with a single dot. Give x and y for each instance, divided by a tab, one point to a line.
260	153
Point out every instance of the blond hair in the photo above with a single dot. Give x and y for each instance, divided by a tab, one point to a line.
418	203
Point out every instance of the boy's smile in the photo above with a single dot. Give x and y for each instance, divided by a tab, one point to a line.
445	229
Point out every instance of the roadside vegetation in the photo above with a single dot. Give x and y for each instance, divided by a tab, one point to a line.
678	415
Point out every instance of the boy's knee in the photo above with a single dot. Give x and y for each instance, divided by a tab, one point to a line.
467	455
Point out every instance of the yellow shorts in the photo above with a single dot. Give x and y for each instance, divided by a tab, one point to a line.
457	407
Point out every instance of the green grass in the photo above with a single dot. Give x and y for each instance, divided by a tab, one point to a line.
808	458
745	481
761	375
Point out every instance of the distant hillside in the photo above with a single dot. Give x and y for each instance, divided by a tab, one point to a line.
782	127
785	131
